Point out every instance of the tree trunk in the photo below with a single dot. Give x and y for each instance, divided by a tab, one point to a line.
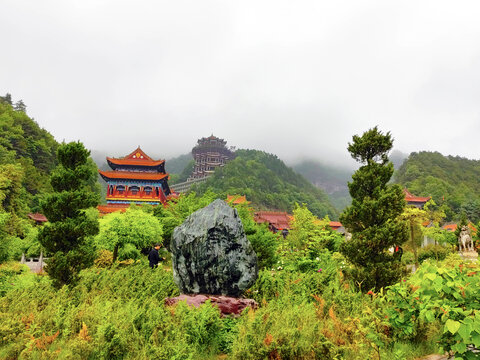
414	246
115	253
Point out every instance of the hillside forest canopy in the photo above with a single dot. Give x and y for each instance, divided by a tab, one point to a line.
320	294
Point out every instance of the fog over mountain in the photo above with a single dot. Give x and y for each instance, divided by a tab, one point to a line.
293	79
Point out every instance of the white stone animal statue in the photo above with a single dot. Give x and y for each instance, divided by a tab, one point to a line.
465	240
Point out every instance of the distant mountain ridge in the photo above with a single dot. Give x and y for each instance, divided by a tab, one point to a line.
333	180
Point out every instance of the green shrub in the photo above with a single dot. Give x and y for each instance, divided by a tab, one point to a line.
441	295
435	252
282	330
129	251
408	258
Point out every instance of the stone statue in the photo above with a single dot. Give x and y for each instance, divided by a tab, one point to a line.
348	236
211	254
465	240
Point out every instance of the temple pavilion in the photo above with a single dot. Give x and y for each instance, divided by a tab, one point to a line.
417	201
135	178
210	153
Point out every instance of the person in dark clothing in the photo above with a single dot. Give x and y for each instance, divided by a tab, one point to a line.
154	257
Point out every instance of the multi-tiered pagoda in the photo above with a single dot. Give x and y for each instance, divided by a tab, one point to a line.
210	153
135	178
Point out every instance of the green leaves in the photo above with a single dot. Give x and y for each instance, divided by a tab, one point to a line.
447	292
452	326
135	227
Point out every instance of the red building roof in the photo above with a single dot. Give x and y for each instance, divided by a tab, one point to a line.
132	175
38	217
237	199
280	220
136	157
335	224
415	199
453	227
109	208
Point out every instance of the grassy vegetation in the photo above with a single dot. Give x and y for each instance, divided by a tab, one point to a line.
119	313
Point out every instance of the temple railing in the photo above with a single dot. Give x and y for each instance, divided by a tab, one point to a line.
183	187
35	264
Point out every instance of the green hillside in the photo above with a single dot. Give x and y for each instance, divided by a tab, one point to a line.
268	183
30	149
452	181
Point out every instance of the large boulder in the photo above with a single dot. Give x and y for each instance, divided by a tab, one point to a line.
211	254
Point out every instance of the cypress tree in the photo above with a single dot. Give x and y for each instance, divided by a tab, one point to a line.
68	235
373	216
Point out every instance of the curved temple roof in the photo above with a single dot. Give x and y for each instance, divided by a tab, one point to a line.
137	158
132	175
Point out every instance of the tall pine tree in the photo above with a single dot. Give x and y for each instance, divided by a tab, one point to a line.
373	217
68	235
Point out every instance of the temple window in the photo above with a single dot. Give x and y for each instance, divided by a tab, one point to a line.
134	190
147	190
120	189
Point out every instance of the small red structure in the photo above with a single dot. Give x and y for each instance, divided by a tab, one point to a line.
109	208
276	220
135	178
237	199
335	225
38	218
416	201
453	227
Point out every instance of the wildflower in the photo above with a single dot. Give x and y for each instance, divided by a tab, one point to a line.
319	270
317	258
404	280
370	292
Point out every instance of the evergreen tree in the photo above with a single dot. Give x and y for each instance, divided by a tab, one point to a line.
20	106
6	99
68	235
373	217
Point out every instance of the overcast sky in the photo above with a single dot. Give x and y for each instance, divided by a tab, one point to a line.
296	78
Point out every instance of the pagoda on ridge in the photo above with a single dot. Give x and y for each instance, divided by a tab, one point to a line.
135	178
209	153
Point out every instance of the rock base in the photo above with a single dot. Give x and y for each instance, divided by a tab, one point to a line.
469	255
226	304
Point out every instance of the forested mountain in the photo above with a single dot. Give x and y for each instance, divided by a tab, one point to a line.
30	153
268	183
453	181
27	156
332	180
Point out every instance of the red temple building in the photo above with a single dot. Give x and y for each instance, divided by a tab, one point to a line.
416	201
276	220
135	178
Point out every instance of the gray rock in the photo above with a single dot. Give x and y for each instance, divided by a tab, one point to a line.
211	254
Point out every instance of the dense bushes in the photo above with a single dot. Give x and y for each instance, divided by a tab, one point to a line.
445	294
435	252
118	312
